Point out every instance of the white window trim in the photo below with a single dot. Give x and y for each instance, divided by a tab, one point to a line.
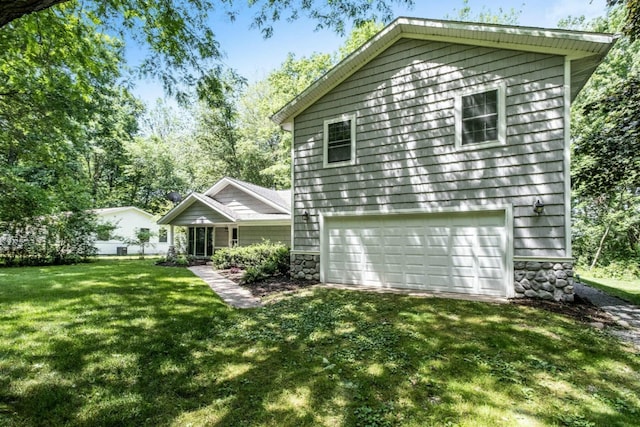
502	119
325	138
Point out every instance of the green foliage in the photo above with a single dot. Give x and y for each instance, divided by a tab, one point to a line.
276	264
632	18
605	160
141	238
359	36
466	14
617	270
251	256
49	239
57	74
260	261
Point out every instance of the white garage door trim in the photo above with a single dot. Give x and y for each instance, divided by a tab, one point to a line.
357	226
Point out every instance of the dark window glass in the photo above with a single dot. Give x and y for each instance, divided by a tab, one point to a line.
339	142
480	117
200	241
162	235
209	241
191	241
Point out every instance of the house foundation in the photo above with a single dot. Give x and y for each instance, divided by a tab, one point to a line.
305	266
544	280
548	280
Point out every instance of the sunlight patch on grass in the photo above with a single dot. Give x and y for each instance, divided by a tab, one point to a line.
231	371
375	369
296	401
211	415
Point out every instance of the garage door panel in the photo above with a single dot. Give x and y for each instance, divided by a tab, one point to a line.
459	260
393	259
490	263
490	273
454	253
394	240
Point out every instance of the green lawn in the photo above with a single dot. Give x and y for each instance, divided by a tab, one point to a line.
626	289
128	343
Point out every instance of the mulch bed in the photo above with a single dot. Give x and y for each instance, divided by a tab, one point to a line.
269	286
581	310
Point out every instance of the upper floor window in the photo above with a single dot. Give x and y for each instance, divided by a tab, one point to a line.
480	116
340	141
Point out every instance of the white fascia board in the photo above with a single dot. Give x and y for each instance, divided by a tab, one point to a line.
188	201
265	222
512	37
217	187
204	200
111	211
191	198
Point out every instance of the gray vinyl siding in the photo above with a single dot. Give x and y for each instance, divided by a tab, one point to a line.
405	135
199	214
221	237
242	203
248	235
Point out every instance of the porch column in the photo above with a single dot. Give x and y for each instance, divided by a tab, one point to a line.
171	235
171	251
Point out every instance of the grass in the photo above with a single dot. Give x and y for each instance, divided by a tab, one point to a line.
129	343
628	290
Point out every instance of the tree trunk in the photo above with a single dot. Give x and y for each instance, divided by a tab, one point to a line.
15	9
595	258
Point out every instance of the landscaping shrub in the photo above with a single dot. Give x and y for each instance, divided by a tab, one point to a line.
620	270
259	261
64	238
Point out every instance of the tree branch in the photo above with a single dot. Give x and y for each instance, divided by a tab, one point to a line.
15	9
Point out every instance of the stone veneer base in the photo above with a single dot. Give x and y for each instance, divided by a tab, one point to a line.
305	266
544	280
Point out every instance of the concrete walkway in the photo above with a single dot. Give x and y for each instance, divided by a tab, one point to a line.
232	293
625	314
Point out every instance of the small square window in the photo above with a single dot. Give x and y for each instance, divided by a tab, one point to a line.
480	116
144	234
162	235
339	141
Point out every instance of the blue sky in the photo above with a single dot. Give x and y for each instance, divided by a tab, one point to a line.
254	57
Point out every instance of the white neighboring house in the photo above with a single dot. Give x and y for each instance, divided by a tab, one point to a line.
128	220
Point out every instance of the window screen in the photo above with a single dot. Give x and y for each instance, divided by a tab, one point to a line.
339	141
480	117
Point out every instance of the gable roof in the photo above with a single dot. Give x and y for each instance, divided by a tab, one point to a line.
107	211
279	200
272	198
197	197
585	51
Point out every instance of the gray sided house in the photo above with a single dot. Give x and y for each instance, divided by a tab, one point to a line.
436	157
231	213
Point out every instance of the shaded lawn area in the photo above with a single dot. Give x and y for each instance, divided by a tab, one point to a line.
130	343
626	289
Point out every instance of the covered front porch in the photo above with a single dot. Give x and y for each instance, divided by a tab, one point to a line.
202	241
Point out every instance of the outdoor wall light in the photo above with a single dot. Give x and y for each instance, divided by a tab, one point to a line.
305	216
538	206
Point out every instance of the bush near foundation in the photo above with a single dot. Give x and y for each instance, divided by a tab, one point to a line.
259	261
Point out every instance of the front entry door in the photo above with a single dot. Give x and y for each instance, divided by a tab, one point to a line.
233	237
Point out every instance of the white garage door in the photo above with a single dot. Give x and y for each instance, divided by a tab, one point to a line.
463	253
